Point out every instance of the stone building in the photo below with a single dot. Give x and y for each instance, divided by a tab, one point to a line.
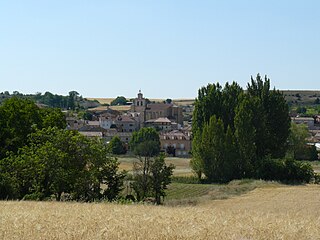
152	111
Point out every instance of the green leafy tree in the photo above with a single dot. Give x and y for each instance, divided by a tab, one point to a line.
160	177
251	125
302	110
245	136
57	161
120	100
151	175
116	146
196	162
274	107
18	118
53	117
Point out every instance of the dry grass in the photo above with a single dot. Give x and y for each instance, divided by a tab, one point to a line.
181	164
265	213
102	100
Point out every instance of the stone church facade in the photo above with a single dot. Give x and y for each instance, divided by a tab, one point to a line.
143	111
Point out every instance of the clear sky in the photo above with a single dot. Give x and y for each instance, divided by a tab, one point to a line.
166	48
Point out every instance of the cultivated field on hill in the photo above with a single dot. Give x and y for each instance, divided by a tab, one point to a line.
278	212
295	96
182	164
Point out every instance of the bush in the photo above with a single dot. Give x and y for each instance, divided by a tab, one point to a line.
185	179
8	187
286	170
306	153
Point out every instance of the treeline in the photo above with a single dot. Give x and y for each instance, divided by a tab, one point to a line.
243	134
73	101
41	160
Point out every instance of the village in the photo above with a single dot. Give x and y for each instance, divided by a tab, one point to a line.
167	118
173	123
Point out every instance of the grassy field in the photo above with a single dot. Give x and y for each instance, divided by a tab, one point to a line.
277	212
182	164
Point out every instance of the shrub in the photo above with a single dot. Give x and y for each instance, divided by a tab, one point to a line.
8	187
306	153
285	170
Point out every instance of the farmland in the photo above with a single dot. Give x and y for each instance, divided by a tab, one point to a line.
181	164
271	212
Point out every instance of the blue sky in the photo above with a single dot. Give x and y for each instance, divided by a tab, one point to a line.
166	48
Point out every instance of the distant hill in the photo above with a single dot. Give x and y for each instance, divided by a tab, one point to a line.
301	97
293	97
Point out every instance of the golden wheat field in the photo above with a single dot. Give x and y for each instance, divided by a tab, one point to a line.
265	213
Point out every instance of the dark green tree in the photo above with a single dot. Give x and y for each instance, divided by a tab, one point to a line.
116	146
60	161
252	125
53	117
149	171
160	177
245	135
274	107
18	118
120	100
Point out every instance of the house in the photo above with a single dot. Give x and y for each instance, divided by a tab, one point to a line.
106	122
162	124
74	123
92	131
124	136
125	123
176	142
309	121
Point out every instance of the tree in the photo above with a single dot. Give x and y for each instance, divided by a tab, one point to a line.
168	101
302	110
160	177
234	131
275	130
59	161
151	173
120	100
53	117
116	146
298	147
145	142
18	118
72	99
245	134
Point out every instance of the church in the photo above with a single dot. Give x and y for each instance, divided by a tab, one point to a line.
144	111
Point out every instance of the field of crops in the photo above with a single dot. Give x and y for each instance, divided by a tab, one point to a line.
181	164
277	212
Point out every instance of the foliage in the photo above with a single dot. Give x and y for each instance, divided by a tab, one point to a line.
151	174
286	170
120	100
298	141
160	177
59	161
116	146
302	110
49	99
151	178
145	142
307	152
168	101
20	117
235	130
